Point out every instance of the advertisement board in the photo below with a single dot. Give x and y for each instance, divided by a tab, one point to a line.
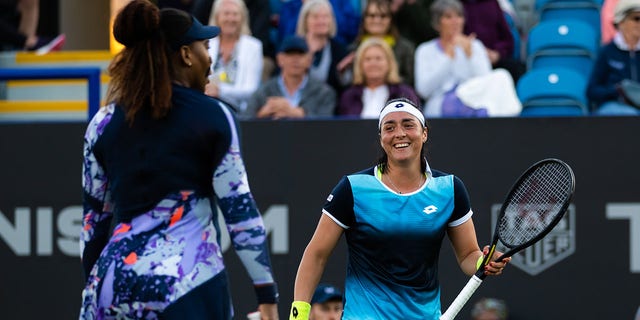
587	268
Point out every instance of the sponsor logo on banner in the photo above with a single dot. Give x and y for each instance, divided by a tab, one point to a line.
550	250
44	231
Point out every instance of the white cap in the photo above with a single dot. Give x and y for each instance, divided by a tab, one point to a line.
623	8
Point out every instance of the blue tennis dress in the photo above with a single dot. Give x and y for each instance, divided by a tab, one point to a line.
394	241
158	182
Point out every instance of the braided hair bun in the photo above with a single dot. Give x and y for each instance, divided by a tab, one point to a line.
138	22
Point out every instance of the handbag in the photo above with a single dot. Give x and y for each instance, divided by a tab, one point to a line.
630	91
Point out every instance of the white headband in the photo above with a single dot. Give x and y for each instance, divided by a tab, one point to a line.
396	106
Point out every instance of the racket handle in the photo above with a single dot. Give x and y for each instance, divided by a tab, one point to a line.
462	298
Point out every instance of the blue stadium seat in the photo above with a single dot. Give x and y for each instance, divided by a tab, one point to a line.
552	91
587	11
517	40
569	43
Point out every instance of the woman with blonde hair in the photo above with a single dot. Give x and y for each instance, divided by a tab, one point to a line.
375	80
317	25
236	56
377	22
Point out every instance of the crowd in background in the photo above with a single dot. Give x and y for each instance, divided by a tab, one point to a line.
325	58
456	58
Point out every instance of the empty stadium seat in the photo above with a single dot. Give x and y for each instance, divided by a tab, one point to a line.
587	11
569	43
552	91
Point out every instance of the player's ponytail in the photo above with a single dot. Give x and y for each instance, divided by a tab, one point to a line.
137	23
141	73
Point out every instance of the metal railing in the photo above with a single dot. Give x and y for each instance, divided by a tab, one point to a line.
91	74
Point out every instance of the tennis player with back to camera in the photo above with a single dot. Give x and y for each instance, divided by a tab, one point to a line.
394	217
158	160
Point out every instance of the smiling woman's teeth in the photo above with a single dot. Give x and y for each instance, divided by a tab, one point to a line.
401	145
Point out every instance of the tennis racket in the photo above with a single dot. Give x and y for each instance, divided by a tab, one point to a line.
535	204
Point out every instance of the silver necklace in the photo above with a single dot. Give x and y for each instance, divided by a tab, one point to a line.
397	189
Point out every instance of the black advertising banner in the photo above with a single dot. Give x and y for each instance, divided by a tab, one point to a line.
587	268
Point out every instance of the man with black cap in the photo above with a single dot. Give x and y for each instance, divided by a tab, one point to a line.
326	303
292	93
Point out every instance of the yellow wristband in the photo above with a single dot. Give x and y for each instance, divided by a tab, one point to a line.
300	310
479	263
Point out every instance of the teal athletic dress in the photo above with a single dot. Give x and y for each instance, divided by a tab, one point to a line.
394	242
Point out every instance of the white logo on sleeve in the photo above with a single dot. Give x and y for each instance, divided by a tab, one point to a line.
430	209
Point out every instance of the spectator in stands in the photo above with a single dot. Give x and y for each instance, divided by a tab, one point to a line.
292	94
377	21
317	24
18	28
485	19
445	62
617	61
326	303
375	81
347	19
413	20
259	23
607	27
236	56
489	309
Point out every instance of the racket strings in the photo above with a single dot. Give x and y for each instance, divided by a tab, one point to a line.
535	203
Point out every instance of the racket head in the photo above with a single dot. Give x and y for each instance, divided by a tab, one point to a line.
536	203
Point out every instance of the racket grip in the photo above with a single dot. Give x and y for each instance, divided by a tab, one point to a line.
462	298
